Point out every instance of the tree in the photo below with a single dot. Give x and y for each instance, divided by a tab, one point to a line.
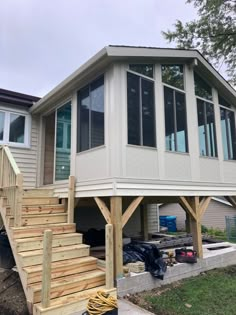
213	33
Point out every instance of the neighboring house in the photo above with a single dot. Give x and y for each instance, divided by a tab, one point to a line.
214	217
19	130
134	127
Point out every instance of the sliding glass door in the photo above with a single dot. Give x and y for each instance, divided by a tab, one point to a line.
63	142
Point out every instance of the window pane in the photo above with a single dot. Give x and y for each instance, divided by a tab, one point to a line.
2	118
223	102
97	112
83	120
211	132
173	75
68	145
133	109
202	89
17	128
181	121
60	135
201	127
148	113
224	133
169	119
143	69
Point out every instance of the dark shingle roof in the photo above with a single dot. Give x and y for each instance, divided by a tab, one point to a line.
15	98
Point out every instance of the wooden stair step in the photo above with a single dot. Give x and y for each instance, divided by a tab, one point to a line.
67	285
34	243
38	192
35	257
71	303
61	268
40	209
32	231
39	219
39	201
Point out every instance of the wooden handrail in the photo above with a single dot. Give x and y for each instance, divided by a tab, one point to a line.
11	183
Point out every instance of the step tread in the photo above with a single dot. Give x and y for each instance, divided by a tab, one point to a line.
39	238
24	228
25	216
61	263
70	279
74	297
54	250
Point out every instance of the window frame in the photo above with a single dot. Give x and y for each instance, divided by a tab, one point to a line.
142	76
227	131
205	125
6	128
78	142
182	91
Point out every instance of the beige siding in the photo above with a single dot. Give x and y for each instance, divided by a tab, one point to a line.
213	217
26	158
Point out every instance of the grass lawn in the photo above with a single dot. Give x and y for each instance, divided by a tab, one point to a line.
211	293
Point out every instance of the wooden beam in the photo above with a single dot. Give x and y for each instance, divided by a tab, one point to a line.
231	200
71	199
104	210
109	257
196	227
204	205
116	218
187	207
47	265
18	200
130	210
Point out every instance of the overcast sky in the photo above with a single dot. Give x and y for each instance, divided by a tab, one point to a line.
44	41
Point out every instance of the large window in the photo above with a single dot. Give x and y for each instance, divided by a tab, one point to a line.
14	128
176	135
141	112
228	130
91	116
206	128
206	118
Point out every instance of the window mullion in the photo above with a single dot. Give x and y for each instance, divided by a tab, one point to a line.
175	121
227	133
90	131
141	111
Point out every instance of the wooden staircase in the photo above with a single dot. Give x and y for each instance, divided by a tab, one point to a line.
28	216
75	275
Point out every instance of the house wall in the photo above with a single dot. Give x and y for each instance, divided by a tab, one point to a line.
213	217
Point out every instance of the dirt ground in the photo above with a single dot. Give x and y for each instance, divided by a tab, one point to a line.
12	298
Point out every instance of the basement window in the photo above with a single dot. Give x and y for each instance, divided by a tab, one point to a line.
14	128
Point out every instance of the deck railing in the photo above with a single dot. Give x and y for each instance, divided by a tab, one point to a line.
11	183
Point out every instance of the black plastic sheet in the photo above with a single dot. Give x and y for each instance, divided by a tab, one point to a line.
147	253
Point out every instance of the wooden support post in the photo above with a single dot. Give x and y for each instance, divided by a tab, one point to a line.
196	227
46	274
144	221
116	218
109	257
71	199
18	200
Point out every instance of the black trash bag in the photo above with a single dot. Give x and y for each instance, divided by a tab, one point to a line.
147	253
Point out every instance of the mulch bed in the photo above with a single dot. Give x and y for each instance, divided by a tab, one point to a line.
12	297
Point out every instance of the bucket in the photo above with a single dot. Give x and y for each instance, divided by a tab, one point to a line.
6	257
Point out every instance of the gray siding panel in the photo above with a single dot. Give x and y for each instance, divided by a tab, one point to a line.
26	158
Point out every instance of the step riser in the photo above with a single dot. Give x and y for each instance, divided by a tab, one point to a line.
43	219
71	288
36	210
38	193
38	231
40	201
62	272
34	245
69	254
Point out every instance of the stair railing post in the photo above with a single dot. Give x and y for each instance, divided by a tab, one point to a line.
71	199
109	257
18	200
47	267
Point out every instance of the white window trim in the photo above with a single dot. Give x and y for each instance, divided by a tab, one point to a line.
27	131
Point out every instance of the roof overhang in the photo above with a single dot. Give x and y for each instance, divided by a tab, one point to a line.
112	54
